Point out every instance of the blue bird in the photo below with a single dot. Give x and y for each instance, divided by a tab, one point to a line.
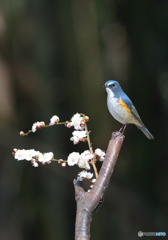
122	109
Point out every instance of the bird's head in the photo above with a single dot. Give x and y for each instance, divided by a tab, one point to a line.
112	87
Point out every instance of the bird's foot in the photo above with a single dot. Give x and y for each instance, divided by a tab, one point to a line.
117	134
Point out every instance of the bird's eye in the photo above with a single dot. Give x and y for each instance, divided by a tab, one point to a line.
113	85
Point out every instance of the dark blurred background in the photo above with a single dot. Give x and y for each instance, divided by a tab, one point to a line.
55	56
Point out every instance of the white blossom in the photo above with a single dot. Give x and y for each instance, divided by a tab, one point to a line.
76	121
54	120
83	163
75	139
35	126
86	152
78	136
33	156
73	158
30	154
84	174
46	157
89	175
100	154
88	156
20	154
84	159
38	155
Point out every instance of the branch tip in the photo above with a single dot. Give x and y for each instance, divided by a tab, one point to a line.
118	135
79	191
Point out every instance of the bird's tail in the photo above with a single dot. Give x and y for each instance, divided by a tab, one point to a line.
146	132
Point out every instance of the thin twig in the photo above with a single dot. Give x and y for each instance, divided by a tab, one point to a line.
45	126
90	148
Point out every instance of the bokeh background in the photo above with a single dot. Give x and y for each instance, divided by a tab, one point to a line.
55	57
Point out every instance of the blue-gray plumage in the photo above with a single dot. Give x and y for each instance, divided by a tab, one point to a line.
122	109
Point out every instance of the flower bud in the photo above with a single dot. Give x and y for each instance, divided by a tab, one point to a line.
60	161
68	125
21	133
63	164
82	123
86	118
42	124
54	120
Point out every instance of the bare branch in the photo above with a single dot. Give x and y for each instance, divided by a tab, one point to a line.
89	202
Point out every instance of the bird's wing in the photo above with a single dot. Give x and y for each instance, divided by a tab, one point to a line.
130	105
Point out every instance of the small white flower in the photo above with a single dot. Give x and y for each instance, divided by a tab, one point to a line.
86	152
20	154
77	136
35	126
89	175
46	157
54	120
81	175
100	154
83	163
75	139
30	154
84	159
76	122
88	156
33	156
84	174
38	155
73	158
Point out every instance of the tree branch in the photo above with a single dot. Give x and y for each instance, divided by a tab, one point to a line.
89	202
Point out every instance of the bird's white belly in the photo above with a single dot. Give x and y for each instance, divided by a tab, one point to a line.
118	112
